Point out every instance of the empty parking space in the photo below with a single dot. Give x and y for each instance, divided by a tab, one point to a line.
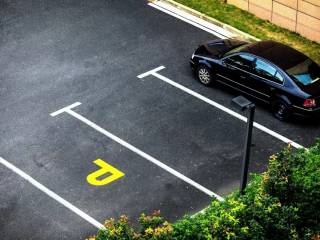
70	174
27	213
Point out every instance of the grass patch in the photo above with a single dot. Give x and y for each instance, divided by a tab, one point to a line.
254	26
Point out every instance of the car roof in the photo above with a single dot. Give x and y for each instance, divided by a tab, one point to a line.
281	55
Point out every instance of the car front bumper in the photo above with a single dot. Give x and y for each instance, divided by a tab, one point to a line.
192	64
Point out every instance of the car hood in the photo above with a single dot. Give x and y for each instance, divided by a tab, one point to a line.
219	47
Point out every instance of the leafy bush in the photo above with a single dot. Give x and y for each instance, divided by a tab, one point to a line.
256	215
153	227
283	203
295	179
116	230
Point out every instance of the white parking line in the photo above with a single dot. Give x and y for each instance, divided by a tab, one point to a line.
154	72
193	20
135	150
51	194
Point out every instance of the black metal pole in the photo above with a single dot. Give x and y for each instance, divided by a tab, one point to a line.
245	163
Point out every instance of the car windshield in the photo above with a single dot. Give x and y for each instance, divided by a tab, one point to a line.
305	73
234	50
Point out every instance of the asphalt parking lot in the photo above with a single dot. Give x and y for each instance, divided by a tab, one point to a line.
165	148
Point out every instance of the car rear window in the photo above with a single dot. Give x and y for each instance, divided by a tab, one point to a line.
305	73
234	50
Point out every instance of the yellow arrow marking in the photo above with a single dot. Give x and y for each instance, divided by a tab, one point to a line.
92	178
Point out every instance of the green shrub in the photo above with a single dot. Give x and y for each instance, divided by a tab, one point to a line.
295	179
116	230
153	227
282	203
256	215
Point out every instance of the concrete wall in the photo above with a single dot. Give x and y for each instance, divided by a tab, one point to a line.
302	16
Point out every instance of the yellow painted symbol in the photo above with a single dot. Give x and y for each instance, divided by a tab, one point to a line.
114	174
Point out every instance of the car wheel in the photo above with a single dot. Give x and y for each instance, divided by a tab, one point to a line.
281	110
204	75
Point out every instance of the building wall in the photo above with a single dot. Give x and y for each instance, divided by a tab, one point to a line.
302	16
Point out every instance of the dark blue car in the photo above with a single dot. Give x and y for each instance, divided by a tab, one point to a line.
270	71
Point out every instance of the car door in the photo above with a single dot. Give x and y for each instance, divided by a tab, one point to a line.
266	79
236	71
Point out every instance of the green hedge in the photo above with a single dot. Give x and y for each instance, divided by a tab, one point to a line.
282	203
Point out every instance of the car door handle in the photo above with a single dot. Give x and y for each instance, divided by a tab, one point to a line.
229	66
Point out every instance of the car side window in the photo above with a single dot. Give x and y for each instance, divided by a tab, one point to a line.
267	71
278	78
242	61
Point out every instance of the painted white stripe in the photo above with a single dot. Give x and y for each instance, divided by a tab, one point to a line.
51	193
195	21
151	72
143	154
62	110
219	106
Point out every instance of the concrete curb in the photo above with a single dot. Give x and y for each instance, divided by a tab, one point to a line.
233	30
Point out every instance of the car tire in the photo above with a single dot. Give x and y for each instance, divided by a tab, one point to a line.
204	75
281	110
